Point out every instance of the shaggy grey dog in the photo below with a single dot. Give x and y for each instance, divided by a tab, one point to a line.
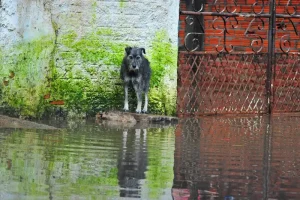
136	70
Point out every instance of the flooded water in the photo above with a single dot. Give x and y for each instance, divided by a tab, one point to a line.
226	158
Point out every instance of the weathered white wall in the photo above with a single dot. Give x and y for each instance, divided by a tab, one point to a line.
79	39
24	20
138	21
135	21
8	21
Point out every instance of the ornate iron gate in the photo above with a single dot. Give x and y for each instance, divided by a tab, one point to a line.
238	56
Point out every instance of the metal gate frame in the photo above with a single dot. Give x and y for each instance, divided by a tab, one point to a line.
275	79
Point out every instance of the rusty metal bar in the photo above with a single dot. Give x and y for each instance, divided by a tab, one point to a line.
233	53
225	14
271	52
252	15
215	53
287	16
267	157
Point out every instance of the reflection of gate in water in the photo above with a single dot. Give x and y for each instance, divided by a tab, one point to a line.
253	157
238	56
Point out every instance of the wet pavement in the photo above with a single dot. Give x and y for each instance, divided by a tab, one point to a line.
254	157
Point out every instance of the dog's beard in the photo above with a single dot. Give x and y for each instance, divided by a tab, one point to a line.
135	70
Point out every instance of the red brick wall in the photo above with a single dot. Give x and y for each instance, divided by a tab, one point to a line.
238	37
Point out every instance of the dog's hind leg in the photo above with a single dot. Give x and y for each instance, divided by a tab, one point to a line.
146	103
126	107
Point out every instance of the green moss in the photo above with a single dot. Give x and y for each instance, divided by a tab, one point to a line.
94	4
94	15
2	68
96	47
25	90
122	3
105	31
55	26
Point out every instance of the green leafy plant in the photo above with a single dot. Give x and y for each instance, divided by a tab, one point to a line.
164	65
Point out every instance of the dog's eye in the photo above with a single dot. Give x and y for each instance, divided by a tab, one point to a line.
130	57
138	57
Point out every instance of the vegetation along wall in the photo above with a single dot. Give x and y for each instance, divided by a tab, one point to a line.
65	55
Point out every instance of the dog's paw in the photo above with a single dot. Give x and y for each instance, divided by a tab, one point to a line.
144	111
125	110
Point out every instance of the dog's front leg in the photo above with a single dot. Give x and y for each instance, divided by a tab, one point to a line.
139	104
139	98
126	107
145	110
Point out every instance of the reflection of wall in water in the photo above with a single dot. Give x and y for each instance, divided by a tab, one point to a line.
132	162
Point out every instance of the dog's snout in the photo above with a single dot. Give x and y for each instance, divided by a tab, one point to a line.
133	66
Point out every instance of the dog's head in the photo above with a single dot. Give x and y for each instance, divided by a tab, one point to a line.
134	57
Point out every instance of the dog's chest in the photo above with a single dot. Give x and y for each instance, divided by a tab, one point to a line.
133	79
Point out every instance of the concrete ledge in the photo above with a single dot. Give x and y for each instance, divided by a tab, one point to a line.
126	119
10	122
127	116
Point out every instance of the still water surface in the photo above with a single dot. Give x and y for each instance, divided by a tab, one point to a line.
208	158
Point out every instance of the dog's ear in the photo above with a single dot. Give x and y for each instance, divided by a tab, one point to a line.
143	50
128	50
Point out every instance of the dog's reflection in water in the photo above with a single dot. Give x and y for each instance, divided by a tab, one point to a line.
132	163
